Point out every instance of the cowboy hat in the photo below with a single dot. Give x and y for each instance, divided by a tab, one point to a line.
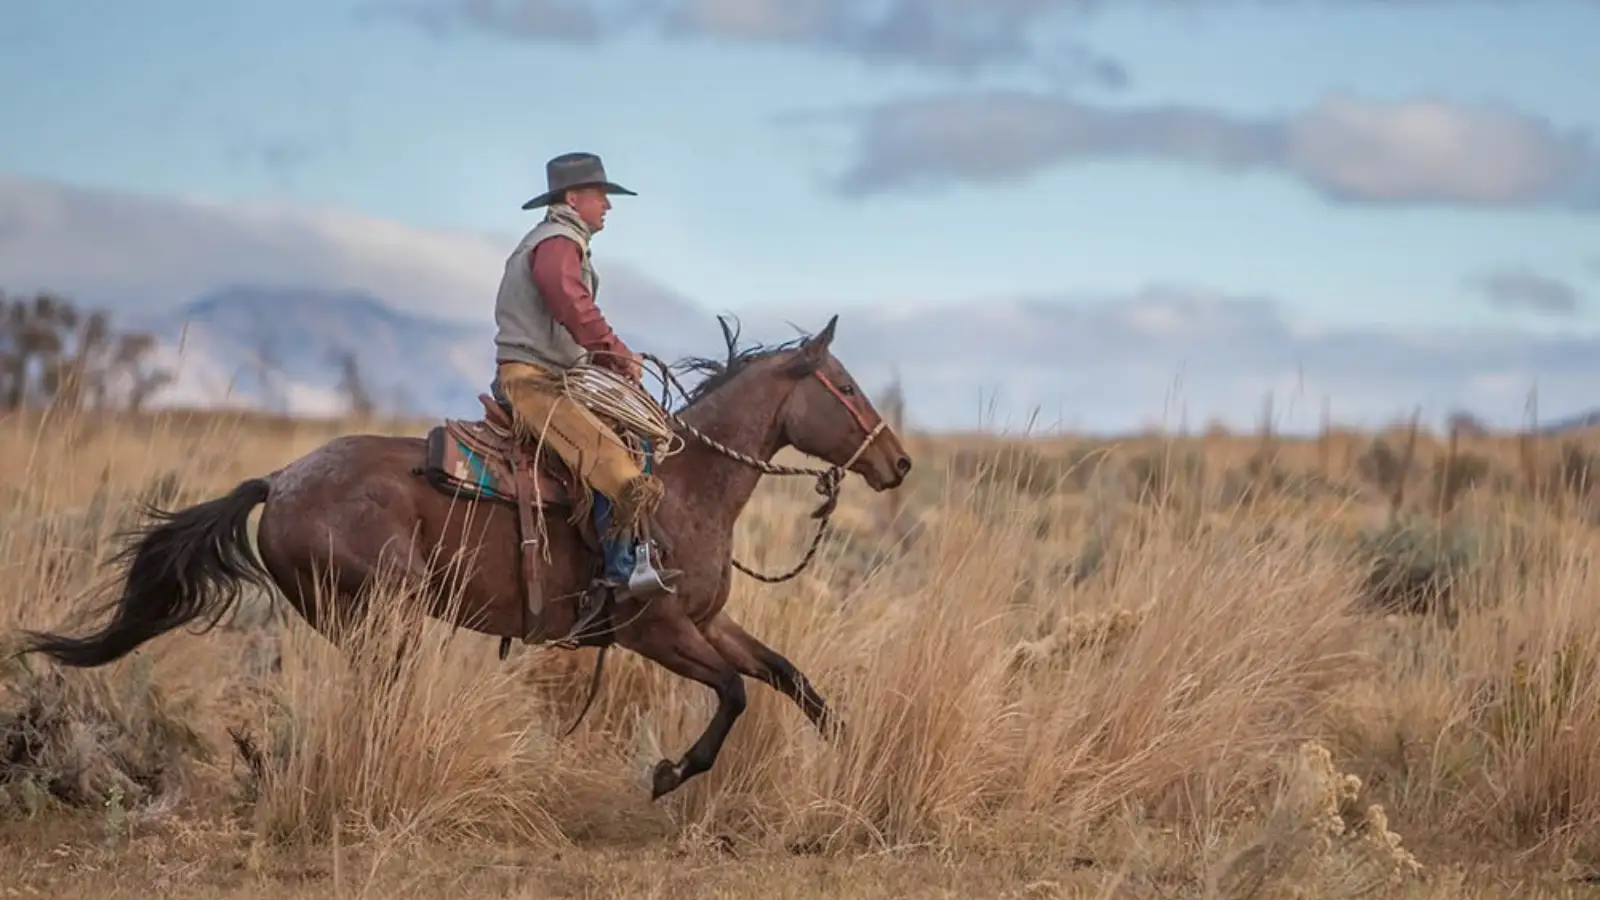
574	170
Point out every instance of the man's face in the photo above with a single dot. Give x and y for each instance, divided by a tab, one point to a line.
591	204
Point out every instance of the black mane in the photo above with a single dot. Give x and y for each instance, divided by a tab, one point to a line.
719	372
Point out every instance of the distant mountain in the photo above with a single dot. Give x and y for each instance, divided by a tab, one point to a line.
1467	424
1578	422
280	349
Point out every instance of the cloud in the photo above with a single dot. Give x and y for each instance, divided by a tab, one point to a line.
959	37
574	21
1117	361
1520	288
956	36
133	252
1348	149
1098	361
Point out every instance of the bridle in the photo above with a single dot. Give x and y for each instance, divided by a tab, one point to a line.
871	432
829	480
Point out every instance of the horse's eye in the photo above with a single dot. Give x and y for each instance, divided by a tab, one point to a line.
848	390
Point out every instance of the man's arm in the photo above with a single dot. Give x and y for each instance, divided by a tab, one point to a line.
558	274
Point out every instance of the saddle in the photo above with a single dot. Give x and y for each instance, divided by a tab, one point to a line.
481	460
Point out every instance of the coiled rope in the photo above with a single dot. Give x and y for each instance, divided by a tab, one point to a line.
622	402
625	403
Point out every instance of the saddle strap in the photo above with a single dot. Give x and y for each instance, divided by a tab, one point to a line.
533	588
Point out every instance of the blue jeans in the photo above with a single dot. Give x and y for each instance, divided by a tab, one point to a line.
619	555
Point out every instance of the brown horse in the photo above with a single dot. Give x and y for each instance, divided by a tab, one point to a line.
359	504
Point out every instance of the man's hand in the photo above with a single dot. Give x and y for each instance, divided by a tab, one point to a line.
633	366
624	362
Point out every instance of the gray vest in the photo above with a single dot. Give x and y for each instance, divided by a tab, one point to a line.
526	331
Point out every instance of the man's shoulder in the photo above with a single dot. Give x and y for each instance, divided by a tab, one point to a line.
554	228
556	244
546	230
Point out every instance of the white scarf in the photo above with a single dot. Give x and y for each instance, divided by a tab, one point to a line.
566	215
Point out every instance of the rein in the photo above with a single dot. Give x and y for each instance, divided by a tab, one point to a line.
829	480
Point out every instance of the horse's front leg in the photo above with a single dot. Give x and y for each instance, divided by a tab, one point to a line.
667	637
757	660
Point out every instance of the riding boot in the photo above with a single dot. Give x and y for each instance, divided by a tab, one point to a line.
628	567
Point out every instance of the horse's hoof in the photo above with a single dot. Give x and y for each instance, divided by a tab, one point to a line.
664	779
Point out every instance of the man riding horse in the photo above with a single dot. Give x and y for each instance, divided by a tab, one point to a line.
547	323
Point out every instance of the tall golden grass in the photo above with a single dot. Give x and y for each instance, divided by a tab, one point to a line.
1208	666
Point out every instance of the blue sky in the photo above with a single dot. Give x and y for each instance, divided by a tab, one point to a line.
797	156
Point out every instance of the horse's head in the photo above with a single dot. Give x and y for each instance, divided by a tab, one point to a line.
828	416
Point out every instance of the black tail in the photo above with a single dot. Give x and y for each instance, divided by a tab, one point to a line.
188	564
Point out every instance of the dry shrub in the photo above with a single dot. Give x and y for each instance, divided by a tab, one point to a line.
1455	474
1384	467
1412	567
1316	839
88	740
1160	475
1481	734
123	738
1050	667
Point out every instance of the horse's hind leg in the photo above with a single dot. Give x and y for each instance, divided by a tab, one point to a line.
673	642
339	521
334	593
757	660
356	593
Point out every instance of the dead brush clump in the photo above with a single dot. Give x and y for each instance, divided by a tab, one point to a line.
1315	839
1537	718
1412	567
1418	566
1455	474
1160	475
91	739
117	737
1482	735
1104	631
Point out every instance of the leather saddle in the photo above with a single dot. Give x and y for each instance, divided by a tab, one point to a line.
480	460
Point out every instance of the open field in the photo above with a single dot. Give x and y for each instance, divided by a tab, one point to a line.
1213	666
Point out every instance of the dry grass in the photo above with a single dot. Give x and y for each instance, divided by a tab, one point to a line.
1215	667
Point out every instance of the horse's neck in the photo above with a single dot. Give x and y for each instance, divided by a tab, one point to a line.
706	480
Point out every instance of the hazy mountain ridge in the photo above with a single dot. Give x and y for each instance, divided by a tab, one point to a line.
221	343
279	348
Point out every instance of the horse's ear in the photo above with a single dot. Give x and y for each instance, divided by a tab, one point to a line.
730	335
817	345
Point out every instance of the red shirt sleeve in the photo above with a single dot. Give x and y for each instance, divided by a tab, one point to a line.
557	269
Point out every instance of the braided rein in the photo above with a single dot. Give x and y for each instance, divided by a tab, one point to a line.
829	480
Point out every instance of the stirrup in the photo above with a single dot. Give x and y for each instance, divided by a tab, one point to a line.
645	580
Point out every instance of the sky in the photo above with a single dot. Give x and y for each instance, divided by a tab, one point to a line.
1076	206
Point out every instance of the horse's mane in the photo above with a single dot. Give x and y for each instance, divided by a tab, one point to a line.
719	372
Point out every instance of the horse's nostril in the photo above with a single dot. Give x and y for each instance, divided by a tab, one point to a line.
903	465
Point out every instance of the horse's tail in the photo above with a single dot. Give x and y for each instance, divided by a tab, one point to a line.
188	564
